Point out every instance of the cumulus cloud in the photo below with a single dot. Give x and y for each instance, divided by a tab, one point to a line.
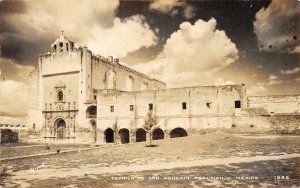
273	77
87	22
277	26
170	6
13	103
292	71
13	71
193	54
13	91
135	31
273	80
256	89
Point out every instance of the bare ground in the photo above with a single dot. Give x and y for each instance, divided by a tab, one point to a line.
196	161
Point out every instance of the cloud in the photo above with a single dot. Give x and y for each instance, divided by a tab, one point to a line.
87	22
193	54
13	101
135	31
273	80
13	71
13	91
292	71
277	26
170	6
256	89
273	77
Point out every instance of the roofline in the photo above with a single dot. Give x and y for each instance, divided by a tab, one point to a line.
294	95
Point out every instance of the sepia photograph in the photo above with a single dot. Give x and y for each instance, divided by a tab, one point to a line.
149	93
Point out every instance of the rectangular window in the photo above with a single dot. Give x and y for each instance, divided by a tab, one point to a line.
95	97
237	104
150	106
183	105
208	104
131	107
112	109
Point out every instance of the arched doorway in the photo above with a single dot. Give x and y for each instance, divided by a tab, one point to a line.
178	132
60	128
140	135
124	135
91	112
158	134
109	135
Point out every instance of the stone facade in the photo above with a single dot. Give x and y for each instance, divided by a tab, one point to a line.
64	86
76	96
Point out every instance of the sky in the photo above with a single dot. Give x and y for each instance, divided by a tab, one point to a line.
182	42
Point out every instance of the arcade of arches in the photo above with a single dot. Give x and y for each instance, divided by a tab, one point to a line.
141	134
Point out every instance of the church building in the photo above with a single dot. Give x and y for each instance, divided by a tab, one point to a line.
78	96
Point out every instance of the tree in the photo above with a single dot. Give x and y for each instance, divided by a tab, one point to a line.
150	122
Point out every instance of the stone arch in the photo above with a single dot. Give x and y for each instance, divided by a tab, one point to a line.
91	112
61	46
124	135
60	126
178	132
158	134
109	135
140	135
54	48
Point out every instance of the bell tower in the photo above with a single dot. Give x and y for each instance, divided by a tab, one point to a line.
62	44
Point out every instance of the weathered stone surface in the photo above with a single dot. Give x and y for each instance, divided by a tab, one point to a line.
73	93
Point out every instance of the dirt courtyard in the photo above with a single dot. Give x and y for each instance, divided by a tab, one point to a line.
214	160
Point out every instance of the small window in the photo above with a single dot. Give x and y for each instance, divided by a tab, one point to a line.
208	104
131	107
237	104
183	105
60	96
67	46
112	109
95	97
150	106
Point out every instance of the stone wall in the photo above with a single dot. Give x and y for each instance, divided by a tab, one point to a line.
276	104
188	108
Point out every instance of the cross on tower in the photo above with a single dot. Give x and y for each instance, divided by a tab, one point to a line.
62	32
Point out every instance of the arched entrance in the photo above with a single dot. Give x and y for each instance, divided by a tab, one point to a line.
124	135
60	128
91	112
140	135
158	134
109	135
178	132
